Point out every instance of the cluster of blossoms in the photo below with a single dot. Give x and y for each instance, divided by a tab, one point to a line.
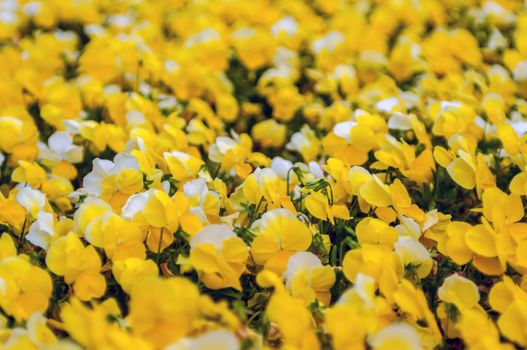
235	175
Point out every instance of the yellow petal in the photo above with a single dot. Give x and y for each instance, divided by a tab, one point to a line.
462	173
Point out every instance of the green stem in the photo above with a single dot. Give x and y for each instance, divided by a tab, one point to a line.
22	235
253	216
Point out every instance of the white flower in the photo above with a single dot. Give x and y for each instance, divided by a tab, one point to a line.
408	227
204	36
520	71
60	147
301	140
136	203
42	230
388	105
363	290
411	252
343	129
218	340
212	234
103	168
400	121
300	262
286	25
328	42
281	167
32	200
396	336
223	145
316	169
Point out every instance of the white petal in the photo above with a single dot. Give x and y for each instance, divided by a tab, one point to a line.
125	161
197	187
387	105
218	340
400	121
343	129
135	204
281	166
60	142
92	182
31	199
38	237
397	332
298	262
214	234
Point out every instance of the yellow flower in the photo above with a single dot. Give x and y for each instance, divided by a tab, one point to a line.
269	133
182	166
494	245
306	143
155	208
30	173
278	235
120	238
308	279
219	256
114	181
291	316
456	246
11	212
375	231
265	184
232	153
255	47
26	288
16	132
45	229
412	301
60	100
377	261
478	330
469	169
318	205
163	311
511	302
402	156
60	153
91	327
360	308
130	270
414	256
285	102
78	264
459	291
375	192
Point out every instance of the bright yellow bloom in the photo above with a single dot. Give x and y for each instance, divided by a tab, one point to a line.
219	256
91	327
308	279
162	311
460	292
278	235
130	270
26	288
318	205
78	264
114	181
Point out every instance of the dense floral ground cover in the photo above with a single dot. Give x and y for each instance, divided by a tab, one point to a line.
234	174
